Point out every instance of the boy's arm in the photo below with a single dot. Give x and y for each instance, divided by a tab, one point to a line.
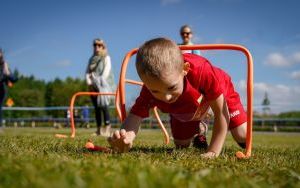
220	127
122	140
131	125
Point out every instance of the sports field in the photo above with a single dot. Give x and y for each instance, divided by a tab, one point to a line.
33	157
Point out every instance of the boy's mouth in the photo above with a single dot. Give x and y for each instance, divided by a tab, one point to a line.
172	100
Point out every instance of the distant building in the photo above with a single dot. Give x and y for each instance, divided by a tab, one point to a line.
266	105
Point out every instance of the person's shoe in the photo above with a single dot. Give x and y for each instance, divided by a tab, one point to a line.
108	130
200	142
203	128
97	133
105	131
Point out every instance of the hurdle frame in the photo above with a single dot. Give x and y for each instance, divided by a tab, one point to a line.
232	47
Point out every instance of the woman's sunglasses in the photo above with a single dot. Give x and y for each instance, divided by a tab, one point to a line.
186	33
98	45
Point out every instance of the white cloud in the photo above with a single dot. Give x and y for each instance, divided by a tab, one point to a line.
279	60
220	41
296	57
63	63
296	75
261	86
282	97
168	2
20	51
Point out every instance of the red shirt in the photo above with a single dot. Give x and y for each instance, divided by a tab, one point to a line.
203	83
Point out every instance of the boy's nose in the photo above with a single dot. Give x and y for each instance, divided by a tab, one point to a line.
168	97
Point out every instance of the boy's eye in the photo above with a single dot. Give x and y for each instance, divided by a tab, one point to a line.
172	88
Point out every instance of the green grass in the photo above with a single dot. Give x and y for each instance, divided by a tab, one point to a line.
33	157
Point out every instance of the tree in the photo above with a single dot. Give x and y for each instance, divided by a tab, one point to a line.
291	114
32	92
28	92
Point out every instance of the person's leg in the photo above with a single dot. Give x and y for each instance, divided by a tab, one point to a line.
2	95
238	124
86	122
182	143
238	116
200	140
97	114
106	115
183	132
239	134
107	125
0	115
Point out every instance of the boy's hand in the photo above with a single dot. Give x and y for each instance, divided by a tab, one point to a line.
209	155
121	141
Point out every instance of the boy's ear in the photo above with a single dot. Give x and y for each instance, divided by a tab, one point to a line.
186	67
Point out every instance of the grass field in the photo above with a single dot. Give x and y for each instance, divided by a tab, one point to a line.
33	157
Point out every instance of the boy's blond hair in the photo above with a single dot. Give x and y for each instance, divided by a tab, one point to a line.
157	56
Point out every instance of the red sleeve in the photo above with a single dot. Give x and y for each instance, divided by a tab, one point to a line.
211	81
142	104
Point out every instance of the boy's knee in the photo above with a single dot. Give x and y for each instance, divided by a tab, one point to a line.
241	137
182	143
242	145
239	133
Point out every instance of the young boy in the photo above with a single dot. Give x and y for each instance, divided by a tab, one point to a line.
185	86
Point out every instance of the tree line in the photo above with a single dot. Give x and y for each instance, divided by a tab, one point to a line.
32	92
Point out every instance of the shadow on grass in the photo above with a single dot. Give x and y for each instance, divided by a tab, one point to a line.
164	150
153	149
137	149
148	150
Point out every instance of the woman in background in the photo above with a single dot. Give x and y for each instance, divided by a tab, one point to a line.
186	36
99	78
6	79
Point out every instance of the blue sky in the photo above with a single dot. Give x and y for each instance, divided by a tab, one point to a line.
52	38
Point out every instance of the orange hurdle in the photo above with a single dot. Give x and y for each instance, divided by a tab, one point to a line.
73	130
117	101
161	125
239	154
121	95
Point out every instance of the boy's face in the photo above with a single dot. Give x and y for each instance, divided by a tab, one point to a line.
167	88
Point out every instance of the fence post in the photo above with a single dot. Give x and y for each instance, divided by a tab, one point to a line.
33	124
